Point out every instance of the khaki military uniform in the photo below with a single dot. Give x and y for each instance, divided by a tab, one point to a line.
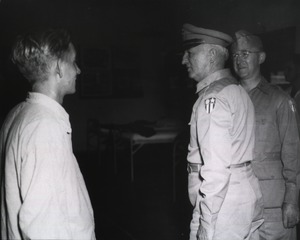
275	161
222	187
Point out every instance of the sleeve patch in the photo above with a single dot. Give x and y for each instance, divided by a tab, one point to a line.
292	106
210	104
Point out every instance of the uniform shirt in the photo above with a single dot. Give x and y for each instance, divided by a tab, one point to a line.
276	145
222	134
43	192
297	103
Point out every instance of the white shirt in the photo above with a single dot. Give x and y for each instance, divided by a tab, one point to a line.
43	192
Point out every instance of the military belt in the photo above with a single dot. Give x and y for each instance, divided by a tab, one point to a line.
239	165
193	167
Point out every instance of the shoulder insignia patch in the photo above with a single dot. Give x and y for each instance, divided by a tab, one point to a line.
292	106
210	104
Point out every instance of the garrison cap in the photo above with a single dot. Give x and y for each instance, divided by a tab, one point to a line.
244	38
194	36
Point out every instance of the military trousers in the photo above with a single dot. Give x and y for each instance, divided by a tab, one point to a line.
241	213
273	229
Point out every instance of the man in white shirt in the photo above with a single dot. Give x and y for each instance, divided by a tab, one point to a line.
43	194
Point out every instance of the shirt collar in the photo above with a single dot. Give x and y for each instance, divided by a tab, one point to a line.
263	86
34	97
212	78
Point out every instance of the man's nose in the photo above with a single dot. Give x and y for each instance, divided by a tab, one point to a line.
78	70
238	60
184	58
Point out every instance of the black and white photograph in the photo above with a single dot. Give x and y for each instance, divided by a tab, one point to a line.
149	119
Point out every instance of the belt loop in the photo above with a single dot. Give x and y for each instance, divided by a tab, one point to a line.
193	167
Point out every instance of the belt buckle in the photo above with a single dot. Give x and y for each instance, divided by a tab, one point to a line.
189	168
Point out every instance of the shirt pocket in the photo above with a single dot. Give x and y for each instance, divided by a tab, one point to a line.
266	128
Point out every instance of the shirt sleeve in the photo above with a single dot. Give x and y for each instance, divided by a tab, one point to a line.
43	214
288	129
214	139
297	102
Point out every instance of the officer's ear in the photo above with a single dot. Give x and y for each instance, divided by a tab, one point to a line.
262	57
212	54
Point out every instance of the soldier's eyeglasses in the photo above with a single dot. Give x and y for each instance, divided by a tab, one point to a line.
244	54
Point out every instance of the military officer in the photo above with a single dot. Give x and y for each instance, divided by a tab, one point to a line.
222	187
276	141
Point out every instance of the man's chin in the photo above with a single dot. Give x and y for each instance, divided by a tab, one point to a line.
195	76
242	73
71	91
191	75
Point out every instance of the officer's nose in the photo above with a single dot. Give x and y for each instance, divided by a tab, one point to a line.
237	60
184	58
78	70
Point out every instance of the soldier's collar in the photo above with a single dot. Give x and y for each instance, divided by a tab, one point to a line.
263	85
212	78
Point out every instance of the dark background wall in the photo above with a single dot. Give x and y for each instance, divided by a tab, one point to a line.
129	50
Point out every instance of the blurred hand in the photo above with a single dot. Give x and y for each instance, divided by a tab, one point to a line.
202	234
290	215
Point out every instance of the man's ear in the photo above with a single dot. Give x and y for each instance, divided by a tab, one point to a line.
212	54
262	57
58	69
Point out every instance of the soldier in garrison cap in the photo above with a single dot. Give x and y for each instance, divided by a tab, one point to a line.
276	142
222	187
